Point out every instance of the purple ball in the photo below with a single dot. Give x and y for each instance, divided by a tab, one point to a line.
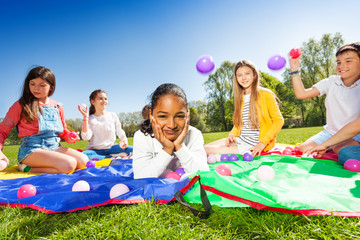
276	62
95	159
247	157
205	64
180	171
225	157
90	164
234	157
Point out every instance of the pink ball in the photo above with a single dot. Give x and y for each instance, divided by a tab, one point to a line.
223	170
218	157
173	175
265	172
295	52
290	148
211	158
296	149
118	189
287	152
26	190
352	165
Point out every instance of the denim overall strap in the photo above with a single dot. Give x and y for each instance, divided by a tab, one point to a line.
50	121
50	126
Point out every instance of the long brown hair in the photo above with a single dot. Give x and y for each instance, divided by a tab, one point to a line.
93	96
29	103
239	97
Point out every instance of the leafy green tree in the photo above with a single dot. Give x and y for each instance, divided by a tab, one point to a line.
219	89
130	122
74	125
198	115
318	62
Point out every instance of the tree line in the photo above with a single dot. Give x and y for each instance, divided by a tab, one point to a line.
215	112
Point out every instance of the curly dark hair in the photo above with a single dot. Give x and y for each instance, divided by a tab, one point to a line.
162	90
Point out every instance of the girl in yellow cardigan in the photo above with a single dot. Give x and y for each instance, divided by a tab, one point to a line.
257	118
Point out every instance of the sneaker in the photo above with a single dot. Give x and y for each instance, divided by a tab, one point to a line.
21	167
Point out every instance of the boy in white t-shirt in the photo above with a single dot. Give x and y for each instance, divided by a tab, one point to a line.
342	101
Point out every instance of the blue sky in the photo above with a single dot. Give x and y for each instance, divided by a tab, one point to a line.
128	48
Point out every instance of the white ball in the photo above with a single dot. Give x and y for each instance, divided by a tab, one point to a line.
265	172
211	158
118	189
218	157
83	106
3	165
81	186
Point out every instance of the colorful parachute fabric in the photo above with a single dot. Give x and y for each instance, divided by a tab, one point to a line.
54	191
301	186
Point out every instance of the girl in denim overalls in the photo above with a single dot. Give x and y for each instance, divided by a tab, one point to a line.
40	122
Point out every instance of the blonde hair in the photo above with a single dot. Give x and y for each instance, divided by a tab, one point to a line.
239	97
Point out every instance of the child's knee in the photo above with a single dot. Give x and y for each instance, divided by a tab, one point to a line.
82	160
69	165
336	149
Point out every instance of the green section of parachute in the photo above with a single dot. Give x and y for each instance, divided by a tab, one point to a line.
299	183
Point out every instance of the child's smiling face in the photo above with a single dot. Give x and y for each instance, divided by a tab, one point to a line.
348	66
245	78
39	88
170	113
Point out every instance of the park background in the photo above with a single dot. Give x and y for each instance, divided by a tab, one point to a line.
128	48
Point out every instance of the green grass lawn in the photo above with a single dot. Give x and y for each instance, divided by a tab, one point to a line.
173	221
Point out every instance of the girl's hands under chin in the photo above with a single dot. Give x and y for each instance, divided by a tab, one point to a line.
180	139
168	146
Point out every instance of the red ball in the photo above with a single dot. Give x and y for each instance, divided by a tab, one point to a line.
27	190
173	175
290	148
295	52
73	135
223	170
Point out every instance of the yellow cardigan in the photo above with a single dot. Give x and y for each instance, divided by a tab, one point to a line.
270	118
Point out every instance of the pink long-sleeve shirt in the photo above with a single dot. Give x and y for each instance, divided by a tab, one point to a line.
13	118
